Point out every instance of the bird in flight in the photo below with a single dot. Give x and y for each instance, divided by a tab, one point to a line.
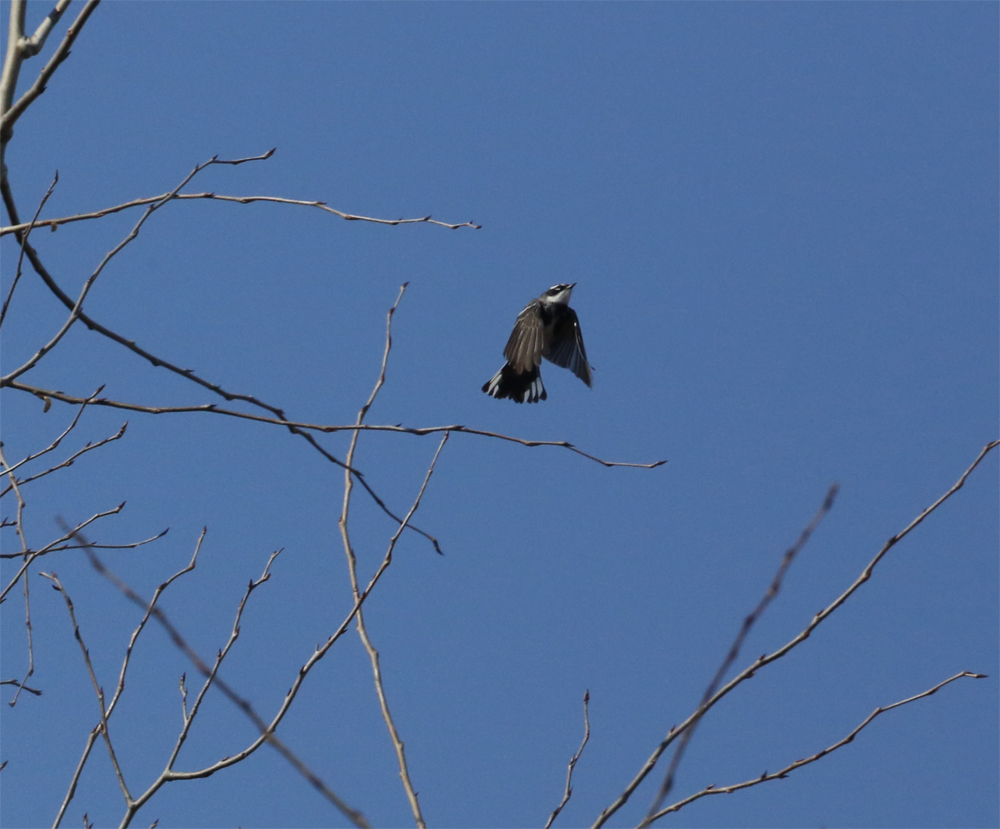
549	328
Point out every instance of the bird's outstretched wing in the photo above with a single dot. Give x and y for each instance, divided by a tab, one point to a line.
567	349
527	340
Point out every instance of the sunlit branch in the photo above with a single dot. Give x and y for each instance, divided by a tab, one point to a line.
783	773
373	653
351	217
767	659
186	373
11	112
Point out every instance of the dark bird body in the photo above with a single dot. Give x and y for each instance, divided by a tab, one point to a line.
549	328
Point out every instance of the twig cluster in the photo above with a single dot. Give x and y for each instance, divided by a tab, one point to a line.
26	470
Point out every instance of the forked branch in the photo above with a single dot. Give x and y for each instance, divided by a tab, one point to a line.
211	678
373	654
767	659
783	773
19	48
734	650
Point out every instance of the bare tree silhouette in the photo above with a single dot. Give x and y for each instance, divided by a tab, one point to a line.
241	407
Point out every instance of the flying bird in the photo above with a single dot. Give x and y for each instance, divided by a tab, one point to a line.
549	328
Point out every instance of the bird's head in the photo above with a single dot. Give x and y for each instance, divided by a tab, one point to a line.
558	294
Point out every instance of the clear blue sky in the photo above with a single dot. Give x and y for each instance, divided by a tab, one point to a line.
783	219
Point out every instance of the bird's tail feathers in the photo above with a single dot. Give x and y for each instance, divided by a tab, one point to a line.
523	387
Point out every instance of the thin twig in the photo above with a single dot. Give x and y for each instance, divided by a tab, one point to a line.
568	793
28	558
351	217
98	690
373	653
55	444
21	685
31	640
75	311
149	611
767	659
131	545
32	555
734	650
70	460
220	656
780	775
120	688
24	238
19	519
91	740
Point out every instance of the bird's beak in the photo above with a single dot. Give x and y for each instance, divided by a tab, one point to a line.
571	287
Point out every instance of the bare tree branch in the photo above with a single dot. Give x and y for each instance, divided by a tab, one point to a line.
20	684
26	552
36	42
767	659
734	650
92	738
780	775
212	408
568	793
212	678
19	524
373	653
58	440
31	642
167	775
131	545
350	217
71	459
32	555
156	361
18	520
77	307
22	49
24	238
98	690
